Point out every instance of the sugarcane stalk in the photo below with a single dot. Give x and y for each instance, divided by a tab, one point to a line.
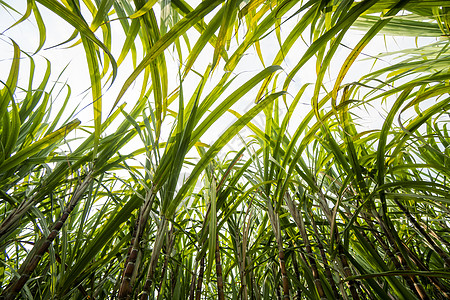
274	220
125	286
283	273
193	281
221	295
160	235
254	291
348	273
243	253
298	295
312	263
168	249
346	267
277	287
198	290
130	263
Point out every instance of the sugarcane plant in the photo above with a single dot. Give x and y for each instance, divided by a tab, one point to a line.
225	152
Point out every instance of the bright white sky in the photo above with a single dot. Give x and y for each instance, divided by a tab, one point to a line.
26	35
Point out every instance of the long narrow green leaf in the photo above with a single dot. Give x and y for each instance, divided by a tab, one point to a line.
96	87
7	92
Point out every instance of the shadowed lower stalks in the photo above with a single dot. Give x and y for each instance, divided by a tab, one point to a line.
159	241
130	267
427	237
220	293
296	215
274	220
41	247
412	282
167	250
324	258
198	289
348	273
298	294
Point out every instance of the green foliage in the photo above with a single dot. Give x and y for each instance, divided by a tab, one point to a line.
297	198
